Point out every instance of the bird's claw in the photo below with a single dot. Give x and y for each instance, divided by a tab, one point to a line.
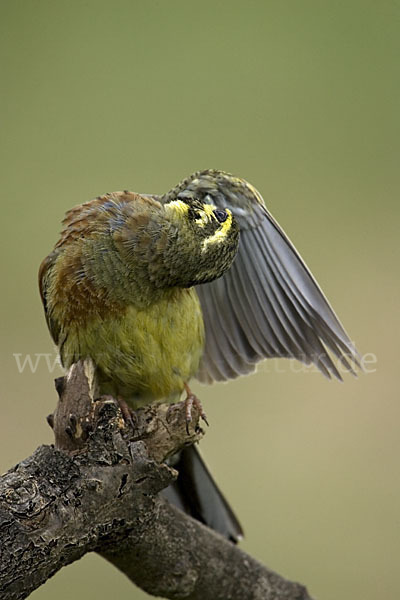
192	400
127	412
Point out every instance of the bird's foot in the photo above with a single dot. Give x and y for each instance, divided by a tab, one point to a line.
190	401
127	412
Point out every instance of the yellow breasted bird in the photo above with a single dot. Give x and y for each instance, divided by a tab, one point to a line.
200	282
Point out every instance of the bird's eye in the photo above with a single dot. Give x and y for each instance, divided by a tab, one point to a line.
221	215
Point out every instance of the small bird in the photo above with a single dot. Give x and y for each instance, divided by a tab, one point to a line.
200	282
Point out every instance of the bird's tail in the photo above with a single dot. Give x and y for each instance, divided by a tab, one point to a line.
196	493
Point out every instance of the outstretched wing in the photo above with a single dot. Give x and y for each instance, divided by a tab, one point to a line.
268	305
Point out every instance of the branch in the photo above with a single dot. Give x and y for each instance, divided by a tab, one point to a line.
98	490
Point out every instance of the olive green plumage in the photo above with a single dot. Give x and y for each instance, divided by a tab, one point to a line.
143	285
160	289
119	288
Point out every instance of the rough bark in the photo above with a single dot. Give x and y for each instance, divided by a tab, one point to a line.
97	489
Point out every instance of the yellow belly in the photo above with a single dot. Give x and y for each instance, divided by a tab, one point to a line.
145	354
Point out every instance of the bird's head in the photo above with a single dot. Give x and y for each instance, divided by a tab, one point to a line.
220	189
207	231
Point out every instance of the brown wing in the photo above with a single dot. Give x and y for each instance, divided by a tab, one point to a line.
79	221
44	274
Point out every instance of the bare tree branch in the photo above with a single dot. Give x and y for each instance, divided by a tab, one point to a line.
97	490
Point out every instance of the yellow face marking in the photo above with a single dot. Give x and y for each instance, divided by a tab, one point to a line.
181	209
209	210
220	234
178	207
206	214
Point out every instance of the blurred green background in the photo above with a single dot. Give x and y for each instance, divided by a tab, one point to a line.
301	99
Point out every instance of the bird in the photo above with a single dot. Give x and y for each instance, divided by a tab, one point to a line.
200	282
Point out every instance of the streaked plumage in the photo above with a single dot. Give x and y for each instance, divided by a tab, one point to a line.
268	304
160	289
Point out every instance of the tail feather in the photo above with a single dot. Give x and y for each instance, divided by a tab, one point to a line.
196	493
